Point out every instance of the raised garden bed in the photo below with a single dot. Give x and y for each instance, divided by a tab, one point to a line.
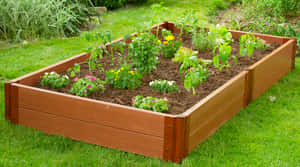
169	136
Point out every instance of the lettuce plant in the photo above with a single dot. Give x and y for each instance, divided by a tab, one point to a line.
87	85
54	80
183	53
164	86
150	103
217	36
123	77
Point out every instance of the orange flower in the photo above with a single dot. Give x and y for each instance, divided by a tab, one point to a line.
166	43
180	39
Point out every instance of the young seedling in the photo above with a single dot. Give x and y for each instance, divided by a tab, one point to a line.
224	55
248	43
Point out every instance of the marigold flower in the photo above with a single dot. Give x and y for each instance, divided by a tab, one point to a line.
169	38
180	39
166	43
159	41
131	72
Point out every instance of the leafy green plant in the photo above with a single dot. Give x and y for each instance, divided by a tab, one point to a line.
183	53
195	73
150	103
87	85
169	45
188	16
123	77
218	35
54	80
164	86
248	43
74	70
157	10
200	40
143	51
224	55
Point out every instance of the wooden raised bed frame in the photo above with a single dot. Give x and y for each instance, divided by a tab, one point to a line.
168	137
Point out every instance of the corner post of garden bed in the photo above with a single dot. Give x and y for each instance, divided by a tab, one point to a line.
294	49
175	138
11	102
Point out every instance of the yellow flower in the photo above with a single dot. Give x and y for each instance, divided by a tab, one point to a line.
166	43
122	68
169	38
159	41
117	71
112	70
116	78
131	72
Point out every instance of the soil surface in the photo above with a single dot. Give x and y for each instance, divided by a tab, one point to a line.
178	101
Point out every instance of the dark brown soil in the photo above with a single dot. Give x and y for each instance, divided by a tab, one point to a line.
178	101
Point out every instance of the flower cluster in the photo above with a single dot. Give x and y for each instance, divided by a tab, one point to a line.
169	46
150	103
123	77
164	86
54	80
85	86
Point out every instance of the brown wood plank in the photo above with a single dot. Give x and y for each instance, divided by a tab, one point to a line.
14	104
108	114
7	100
180	150
205	115
169	138
271	69
93	133
34	77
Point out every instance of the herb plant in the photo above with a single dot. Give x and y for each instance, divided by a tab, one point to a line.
248	43
143	52
123	77
200	40
169	45
85	86
224	55
54	80
150	103
73	71
164	86
195	73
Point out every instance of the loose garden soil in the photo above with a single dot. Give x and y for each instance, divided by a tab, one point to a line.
167	70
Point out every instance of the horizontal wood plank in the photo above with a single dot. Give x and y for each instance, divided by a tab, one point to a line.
271	69
108	114
92	133
218	107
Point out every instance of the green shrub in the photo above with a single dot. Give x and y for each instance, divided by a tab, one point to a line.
32	19
111	4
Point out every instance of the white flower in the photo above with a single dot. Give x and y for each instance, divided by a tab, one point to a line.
170	83
46	73
272	98
66	76
219	41
156	58
52	72
151	83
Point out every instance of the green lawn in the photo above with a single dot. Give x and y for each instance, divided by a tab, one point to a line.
263	134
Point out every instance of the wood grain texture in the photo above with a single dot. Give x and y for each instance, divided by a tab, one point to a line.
34	77
14	103
271	69
107	114
92	133
208	115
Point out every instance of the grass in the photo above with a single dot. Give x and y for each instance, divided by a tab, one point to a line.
263	134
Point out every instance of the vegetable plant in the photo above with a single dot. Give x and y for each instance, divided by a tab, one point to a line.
123	77
164	86
74	70
200	40
143	52
87	85
217	36
54	80
183	53
169	45
195	73
248	43
224	55
150	103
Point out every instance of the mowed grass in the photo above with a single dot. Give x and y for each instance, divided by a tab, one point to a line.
263	134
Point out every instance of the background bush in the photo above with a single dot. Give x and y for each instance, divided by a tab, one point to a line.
32	19
111	4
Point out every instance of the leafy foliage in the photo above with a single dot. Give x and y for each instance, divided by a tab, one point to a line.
248	43
169	45
200	40
218	35
183	53
85	86
54	80
123	77
164	86
150	103
74	70
224	55
143	51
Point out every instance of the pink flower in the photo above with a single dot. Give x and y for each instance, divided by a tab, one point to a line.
267	24
150	106
85	91
75	79
260	18
133	100
89	86
93	78
154	100
165	99
191	69
247	24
